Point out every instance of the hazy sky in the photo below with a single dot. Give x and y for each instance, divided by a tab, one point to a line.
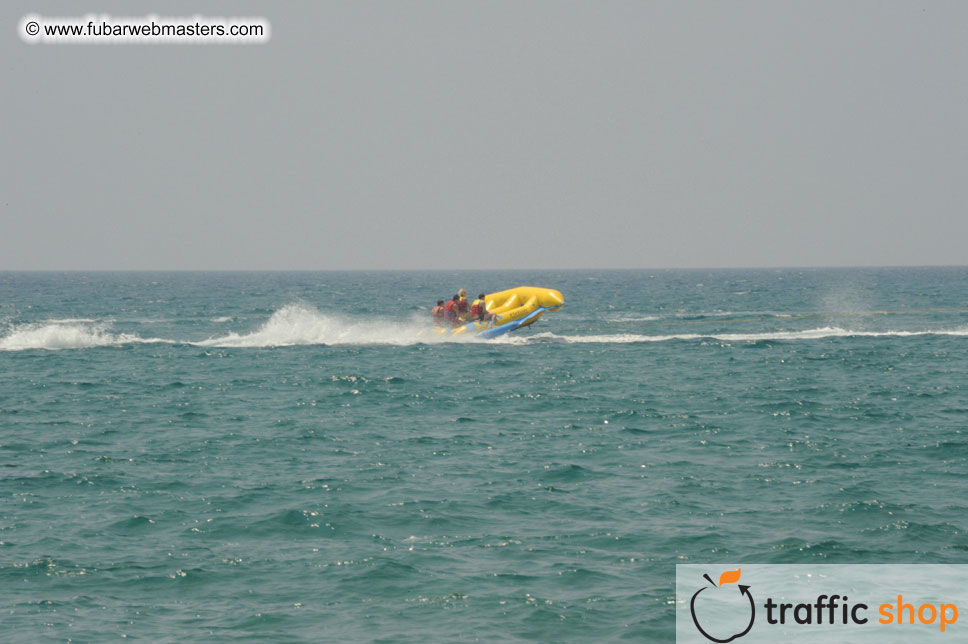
493	134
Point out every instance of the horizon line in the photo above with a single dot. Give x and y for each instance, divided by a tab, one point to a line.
451	270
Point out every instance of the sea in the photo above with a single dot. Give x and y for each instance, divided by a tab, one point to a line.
293	457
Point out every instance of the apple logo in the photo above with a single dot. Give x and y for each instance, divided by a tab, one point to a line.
722	608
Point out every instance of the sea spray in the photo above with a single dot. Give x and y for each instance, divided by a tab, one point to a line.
302	324
65	334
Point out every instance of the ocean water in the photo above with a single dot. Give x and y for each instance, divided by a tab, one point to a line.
287	457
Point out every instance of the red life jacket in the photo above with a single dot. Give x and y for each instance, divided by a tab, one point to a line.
462	306
450	310
478	309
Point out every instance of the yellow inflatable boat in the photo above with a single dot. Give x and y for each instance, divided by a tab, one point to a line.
513	309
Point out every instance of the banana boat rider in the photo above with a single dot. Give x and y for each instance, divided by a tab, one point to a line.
457	311
450	311
479	310
437	313
463	308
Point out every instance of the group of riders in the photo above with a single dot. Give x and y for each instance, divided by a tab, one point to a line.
458	312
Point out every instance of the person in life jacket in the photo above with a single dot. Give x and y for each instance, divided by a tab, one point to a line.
479	310
463	307
450	311
438	313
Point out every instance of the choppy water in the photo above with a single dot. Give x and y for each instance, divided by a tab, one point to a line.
283	457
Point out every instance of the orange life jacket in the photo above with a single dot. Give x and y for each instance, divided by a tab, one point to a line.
450	311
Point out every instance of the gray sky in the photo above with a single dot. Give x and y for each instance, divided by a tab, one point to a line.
498	134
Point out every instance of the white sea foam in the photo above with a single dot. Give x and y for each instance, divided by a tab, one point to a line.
70	320
301	324
807	334
66	334
631	318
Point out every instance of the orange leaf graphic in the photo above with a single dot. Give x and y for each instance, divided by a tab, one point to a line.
729	577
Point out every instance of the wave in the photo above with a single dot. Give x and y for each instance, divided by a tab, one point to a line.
705	315
301	324
70	320
632	318
807	334
70	333
690	316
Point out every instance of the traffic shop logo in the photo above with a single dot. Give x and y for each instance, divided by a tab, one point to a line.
737	598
